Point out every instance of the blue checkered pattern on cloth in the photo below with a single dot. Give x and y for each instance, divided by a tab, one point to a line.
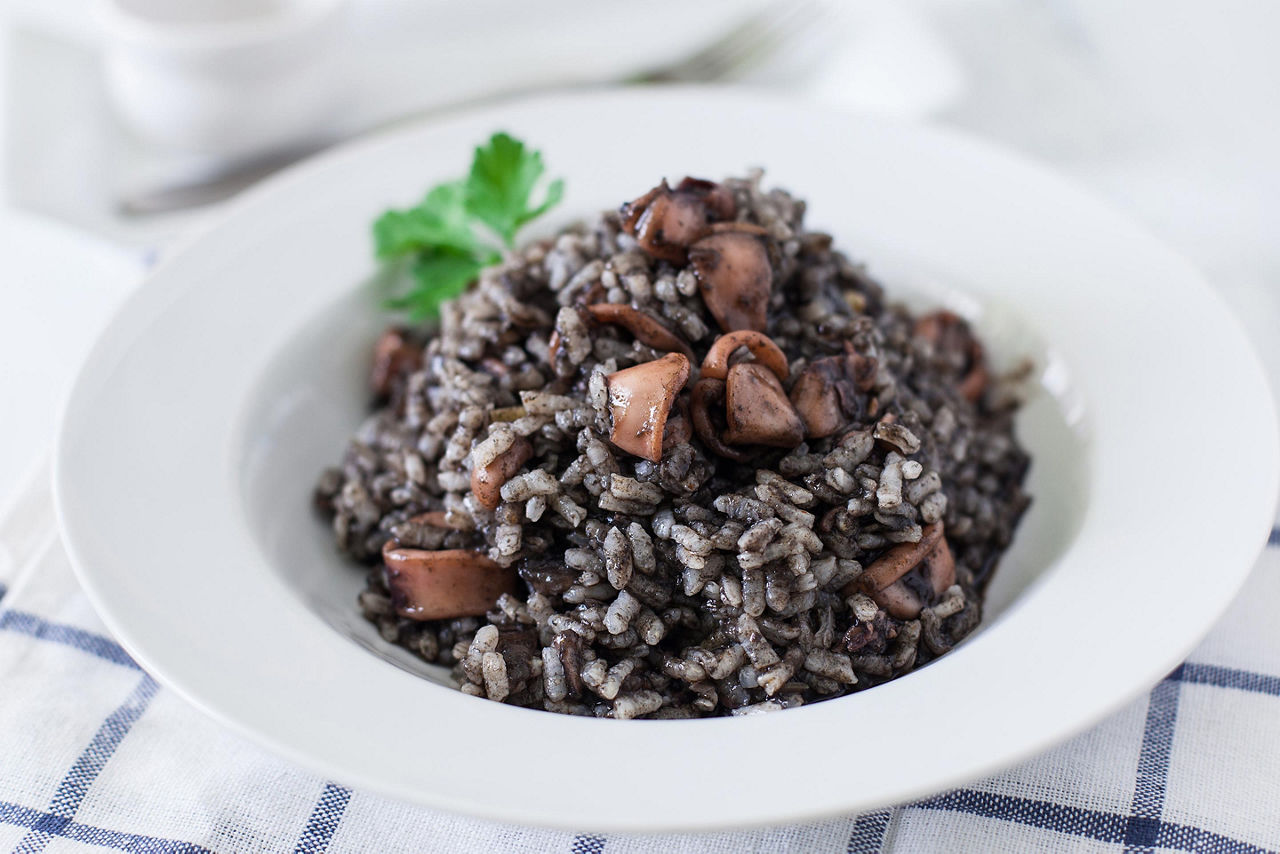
94	755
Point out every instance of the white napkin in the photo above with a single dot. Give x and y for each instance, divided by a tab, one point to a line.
94	755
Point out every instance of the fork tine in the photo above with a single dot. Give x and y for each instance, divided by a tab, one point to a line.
786	34
760	35
759	31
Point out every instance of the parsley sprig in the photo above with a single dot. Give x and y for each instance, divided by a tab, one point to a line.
460	227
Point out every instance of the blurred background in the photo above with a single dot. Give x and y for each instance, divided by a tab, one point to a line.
125	123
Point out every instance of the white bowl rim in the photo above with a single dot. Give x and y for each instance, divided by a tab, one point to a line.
1058	712
129	26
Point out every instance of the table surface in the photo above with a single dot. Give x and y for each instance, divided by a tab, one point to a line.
1166	108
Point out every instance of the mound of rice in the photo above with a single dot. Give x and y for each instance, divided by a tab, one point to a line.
744	567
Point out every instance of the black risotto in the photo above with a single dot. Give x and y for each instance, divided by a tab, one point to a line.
682	460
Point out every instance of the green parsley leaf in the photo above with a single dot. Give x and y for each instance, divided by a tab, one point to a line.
439	221
555	192
498	190
436	241
438	275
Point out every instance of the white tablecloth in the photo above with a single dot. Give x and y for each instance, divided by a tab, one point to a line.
95	755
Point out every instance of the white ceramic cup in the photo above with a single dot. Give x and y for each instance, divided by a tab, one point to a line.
230	78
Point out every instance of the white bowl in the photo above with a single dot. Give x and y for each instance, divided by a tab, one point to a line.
228	78
194	435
